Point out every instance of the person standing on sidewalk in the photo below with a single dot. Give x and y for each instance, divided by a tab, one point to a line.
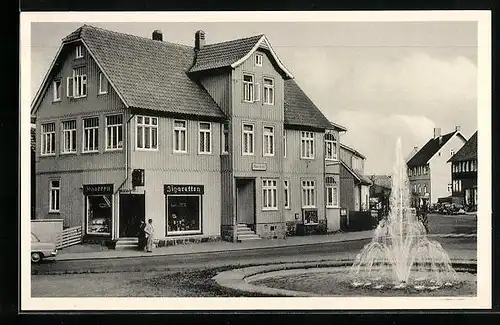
142	236
149	230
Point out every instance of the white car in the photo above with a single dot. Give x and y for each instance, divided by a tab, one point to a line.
41	250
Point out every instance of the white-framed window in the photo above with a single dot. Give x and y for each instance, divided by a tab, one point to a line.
114	132
425	188
419	187
414	188
268	141
146	132
284	143
57	89
269	91
180	136
251	89
103	84
460	185
307	145
76	86
330	147
308	194
79	51
269	194
286	194
91	134
332	193
225	138
205	138
258	59
48	139
68	130
54	195
248	139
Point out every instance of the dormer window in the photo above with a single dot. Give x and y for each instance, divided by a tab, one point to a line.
258	60
79	52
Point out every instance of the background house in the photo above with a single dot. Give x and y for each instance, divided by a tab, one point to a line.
354	193
380	192
464	174
428	169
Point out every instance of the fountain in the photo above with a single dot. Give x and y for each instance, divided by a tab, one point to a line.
400	254
400	260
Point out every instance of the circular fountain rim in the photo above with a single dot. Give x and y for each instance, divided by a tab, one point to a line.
240	279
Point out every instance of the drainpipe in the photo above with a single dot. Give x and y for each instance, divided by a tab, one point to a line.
125	148
126	152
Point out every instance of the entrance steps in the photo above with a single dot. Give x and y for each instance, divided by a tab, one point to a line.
244	233
127	243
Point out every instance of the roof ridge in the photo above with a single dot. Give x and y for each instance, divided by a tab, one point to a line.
132	36
234	40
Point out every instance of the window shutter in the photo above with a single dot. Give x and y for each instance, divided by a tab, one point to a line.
257	92
69	87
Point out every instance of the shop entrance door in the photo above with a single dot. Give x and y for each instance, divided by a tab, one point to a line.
132	211
245	201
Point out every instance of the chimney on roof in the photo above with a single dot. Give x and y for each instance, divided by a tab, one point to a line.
199	40
457	128
437	133
415	148
157	35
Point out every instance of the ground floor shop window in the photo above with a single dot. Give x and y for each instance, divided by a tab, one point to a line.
183	214
98	208
99	214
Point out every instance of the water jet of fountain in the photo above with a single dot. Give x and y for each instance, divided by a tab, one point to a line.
400	251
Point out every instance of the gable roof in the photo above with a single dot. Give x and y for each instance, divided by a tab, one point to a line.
147	74
354	151
428	151
300	110
233	53
468	150
358	176
153	75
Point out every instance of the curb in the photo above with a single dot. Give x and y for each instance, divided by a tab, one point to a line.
214	251
231	249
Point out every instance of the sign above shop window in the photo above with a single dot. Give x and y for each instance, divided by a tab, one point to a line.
183	189
98	189
259	166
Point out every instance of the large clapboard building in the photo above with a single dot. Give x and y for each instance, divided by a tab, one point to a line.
211	140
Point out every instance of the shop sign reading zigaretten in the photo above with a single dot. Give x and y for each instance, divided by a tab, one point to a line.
183	189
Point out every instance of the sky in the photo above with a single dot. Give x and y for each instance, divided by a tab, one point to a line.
381	80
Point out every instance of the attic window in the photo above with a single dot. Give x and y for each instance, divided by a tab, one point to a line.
79	51
103	84
258	60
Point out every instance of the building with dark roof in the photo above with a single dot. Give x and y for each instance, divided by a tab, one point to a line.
355	195
464	174
210	140
428	168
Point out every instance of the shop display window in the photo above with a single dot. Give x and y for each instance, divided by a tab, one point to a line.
99	214
183	214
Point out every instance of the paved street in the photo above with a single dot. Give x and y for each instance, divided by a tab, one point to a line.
176	275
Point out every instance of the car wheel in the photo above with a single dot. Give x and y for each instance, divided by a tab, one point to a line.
36	257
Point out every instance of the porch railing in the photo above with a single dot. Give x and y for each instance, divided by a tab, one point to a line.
69	237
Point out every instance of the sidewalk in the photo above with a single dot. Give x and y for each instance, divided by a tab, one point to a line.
217	246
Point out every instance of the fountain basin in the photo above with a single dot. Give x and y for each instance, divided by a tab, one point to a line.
331	278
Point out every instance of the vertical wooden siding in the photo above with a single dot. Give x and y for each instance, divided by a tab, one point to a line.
346	189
